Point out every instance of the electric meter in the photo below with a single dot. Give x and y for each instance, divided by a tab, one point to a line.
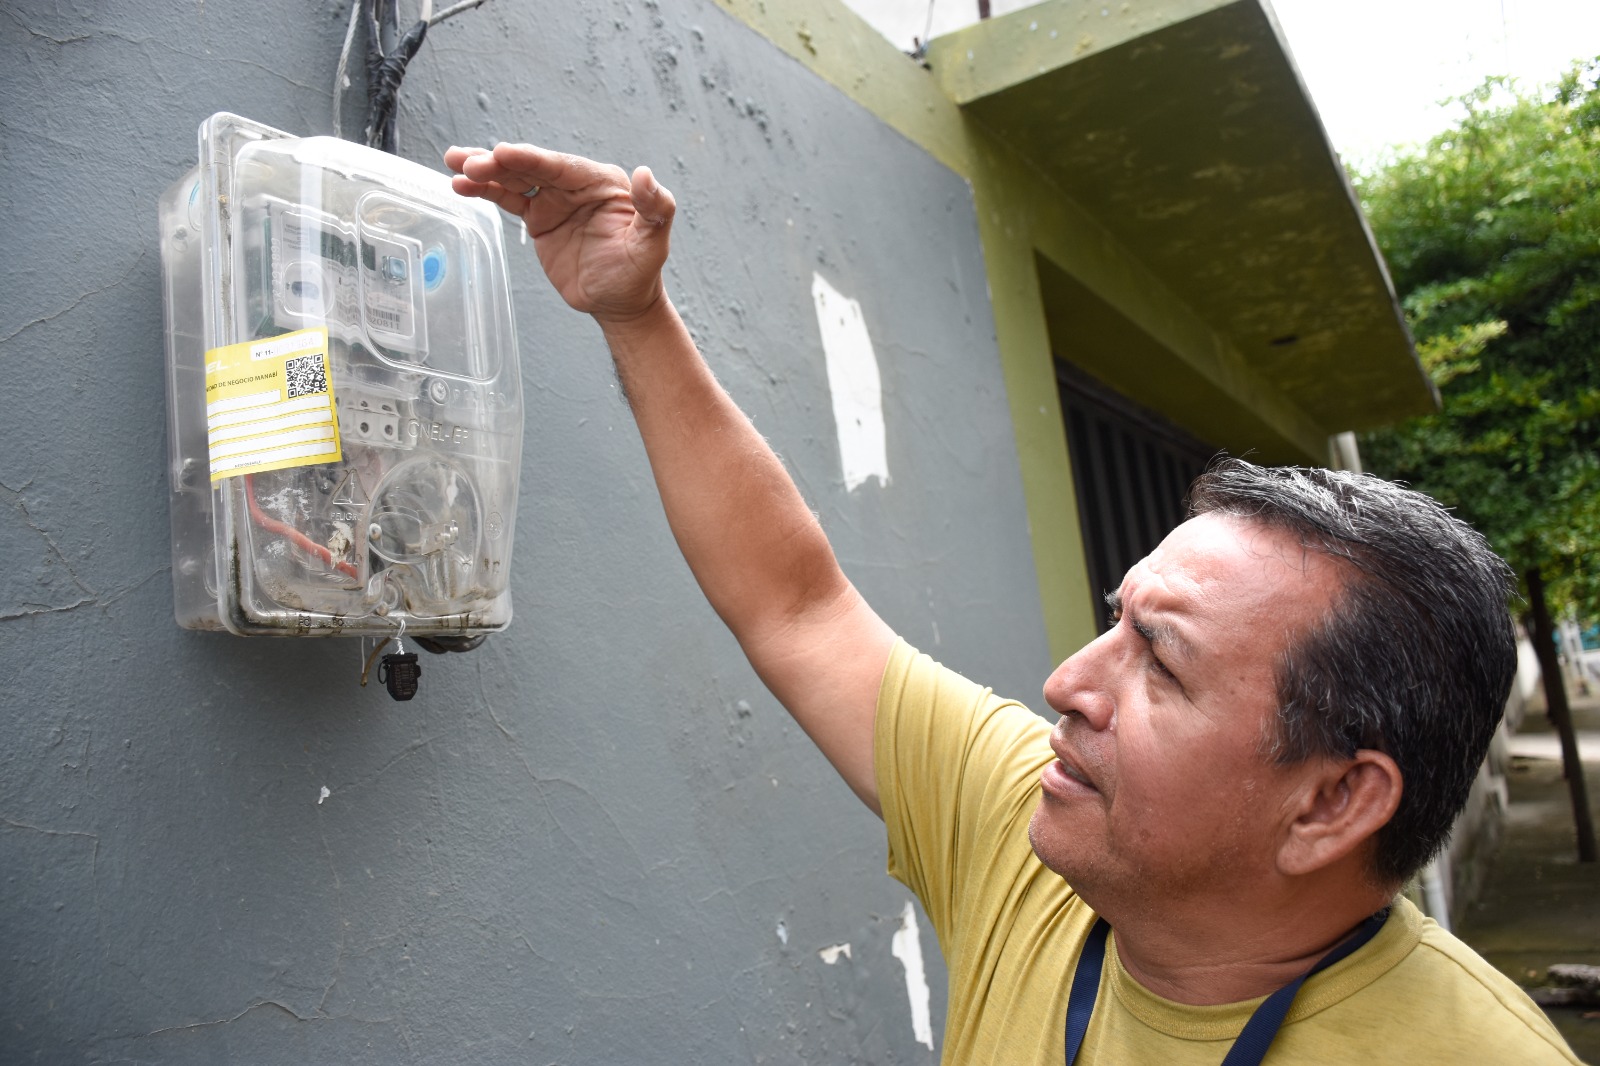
345	414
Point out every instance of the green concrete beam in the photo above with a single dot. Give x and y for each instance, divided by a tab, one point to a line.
999	54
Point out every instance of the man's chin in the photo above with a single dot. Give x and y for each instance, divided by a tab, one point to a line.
1076	851
1049	843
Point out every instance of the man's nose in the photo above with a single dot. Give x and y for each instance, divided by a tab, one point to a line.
1081	685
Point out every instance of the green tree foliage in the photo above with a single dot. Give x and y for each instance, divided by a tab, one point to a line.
1493	235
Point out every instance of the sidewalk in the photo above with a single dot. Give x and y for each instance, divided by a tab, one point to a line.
1539	905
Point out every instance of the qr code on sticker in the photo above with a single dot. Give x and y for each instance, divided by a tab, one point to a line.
306	375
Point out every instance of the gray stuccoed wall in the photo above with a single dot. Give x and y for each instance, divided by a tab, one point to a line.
596	840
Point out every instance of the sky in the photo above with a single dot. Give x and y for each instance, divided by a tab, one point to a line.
1377	69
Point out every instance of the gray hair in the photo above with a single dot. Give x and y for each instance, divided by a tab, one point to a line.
1414	659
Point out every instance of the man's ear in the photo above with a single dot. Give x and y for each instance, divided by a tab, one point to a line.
1342	805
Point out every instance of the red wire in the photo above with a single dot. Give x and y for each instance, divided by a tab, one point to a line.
283	529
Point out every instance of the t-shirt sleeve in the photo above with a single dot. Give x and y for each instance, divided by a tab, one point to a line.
958	779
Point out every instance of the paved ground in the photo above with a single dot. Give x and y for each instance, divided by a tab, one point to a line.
1539	905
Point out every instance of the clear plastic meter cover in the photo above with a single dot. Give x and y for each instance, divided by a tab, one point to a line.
345	411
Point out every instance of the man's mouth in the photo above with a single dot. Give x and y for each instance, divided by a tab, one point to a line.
1064	779
1073	772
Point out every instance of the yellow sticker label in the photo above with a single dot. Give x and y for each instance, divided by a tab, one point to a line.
269	404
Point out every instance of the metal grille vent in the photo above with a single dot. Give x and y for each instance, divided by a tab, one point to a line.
1132	468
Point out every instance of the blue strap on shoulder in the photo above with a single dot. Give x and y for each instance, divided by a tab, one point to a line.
1251	1046
1085	987
1256	1036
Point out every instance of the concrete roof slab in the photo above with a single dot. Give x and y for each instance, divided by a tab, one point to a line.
1185	129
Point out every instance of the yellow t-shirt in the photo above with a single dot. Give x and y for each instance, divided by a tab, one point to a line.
958	776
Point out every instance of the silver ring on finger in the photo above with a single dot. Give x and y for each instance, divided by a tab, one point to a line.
531	193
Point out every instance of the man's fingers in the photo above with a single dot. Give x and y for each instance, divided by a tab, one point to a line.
523	167
558	170
483	167
455	156
513	202
509	174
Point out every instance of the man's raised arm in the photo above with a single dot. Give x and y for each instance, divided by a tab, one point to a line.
753	544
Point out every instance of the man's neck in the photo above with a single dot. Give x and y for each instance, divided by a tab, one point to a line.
1235	957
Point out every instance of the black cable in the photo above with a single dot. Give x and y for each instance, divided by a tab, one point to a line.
386	60
383	87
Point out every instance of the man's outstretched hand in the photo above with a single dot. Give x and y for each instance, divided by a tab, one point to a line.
601	236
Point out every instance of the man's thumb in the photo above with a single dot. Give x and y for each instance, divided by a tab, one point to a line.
651	200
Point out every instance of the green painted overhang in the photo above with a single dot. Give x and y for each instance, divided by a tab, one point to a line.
1184	128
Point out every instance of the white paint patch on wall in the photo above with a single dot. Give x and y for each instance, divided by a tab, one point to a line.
907	947
853	380
830	955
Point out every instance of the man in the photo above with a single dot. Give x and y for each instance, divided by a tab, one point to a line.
1275	734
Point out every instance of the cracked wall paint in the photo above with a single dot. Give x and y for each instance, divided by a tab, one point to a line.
907	947
854	384
830	955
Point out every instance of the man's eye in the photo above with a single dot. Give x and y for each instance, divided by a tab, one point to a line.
1161	668
1113	602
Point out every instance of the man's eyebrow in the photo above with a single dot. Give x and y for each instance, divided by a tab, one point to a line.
1157	635
1163	636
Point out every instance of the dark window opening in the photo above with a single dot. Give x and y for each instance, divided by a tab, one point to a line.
1132	468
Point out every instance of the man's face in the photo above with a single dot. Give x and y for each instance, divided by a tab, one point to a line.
1161	789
